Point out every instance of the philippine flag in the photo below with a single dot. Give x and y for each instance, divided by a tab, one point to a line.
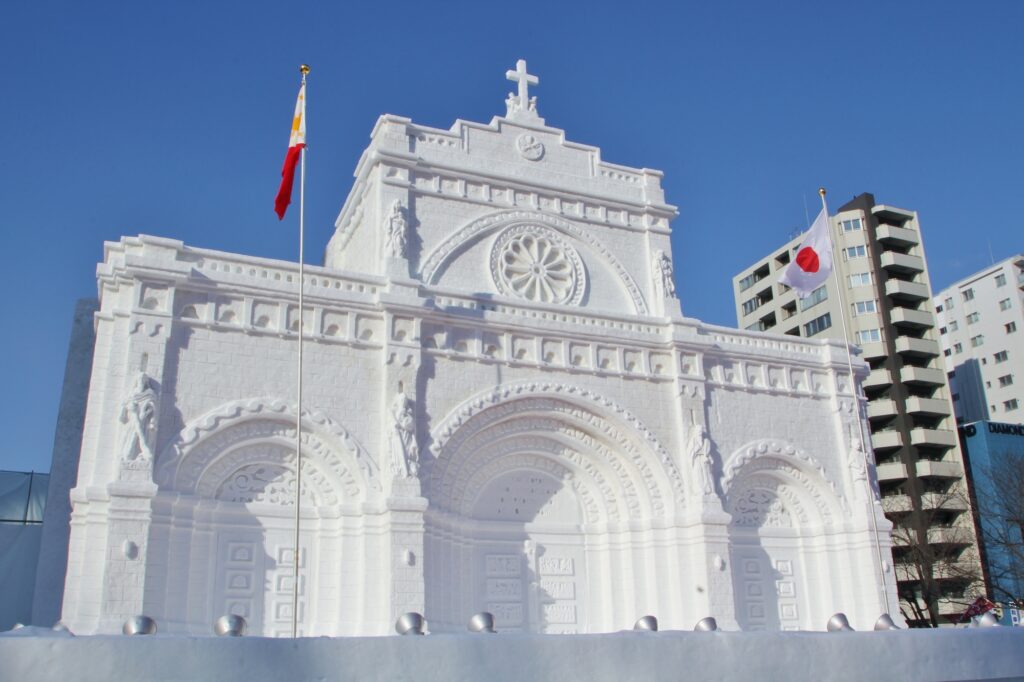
296	143
813	262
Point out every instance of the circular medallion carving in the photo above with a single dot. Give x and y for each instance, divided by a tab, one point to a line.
532	262
530	148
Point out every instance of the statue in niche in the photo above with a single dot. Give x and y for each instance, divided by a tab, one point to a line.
397	231
405	452
138	414
856	459
699	449
663	279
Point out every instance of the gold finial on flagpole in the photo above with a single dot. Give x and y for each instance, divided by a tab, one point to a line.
821	191
304	69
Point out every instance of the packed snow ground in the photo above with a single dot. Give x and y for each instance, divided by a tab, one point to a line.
966	654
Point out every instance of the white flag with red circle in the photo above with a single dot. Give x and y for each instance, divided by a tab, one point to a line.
813	261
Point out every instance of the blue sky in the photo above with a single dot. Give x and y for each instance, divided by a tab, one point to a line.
172	119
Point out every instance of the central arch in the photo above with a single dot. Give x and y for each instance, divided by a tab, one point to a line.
539	497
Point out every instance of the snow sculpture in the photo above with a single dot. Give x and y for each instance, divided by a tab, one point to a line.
405	452
138	414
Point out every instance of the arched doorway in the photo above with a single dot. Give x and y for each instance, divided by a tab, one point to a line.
782	509
539	508
222	539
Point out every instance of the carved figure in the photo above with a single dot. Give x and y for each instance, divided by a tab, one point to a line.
699	449
138	413
405	452
663	279
397	237
856	459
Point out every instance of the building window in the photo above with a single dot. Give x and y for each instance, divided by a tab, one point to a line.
958	348
1005	381
1004	304
861	279
938	308
865	307
973	317
942	330
818	324
1000	280
817	296
851	252
949	303
977	340
1001	356
1011	327
851	225
868	336
953	325
1010	404
947	352
968	294
750	306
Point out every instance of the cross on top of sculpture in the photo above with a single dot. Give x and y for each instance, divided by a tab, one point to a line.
521	105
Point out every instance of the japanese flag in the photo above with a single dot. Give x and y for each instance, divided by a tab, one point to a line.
813	262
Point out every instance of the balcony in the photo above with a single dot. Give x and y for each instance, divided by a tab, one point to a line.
952	535
897	504
881	409
897	236
902	263
927	468
906	291
884	441
945	502
878	378
930	407
872	351
921	348
922	376
913	319
935	438
890	471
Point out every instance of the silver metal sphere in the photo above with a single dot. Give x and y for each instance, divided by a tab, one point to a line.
139	625
708	624
646	624
988	620
839	623
409	624
482	622
884	622
229	626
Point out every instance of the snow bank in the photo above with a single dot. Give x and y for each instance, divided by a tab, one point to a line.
975	654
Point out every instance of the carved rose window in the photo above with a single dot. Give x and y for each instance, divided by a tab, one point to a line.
532	262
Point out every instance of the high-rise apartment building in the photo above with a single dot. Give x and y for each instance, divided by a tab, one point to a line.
981	330
887	305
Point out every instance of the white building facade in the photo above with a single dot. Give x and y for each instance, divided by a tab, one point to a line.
981	321
504	409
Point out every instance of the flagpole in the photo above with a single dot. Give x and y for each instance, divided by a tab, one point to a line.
856	398
298	413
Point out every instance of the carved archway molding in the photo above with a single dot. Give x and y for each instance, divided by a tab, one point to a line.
788	464
211	448
614	423
442	256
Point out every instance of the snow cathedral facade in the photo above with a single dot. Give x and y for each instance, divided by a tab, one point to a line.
504	410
